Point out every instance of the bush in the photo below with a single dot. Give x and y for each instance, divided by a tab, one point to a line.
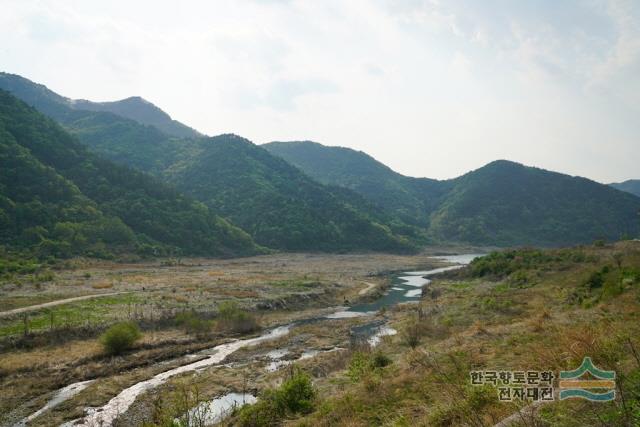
380	360
296	395
232	318
363	362
498	265
412	334
120	337
595	279
193	323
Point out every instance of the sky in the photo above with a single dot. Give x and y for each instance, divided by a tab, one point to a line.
432	88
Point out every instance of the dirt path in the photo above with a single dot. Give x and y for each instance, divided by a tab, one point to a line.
54	303
367	289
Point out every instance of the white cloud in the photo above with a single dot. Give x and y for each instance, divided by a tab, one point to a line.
430	88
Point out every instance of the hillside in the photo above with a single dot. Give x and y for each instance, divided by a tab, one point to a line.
57	106
412	199
345	199
276	203
108	134
505	203
273	201
630	186
142	111
58	199
513	310
502	203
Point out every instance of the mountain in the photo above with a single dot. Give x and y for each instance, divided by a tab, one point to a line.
305	196
108	134
142	111
505	203
411	199
631	186
134	108
58	199
276	203
502	203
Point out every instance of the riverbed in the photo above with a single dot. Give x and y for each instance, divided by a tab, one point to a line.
406	288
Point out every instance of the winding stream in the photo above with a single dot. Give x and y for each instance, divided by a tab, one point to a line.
406	288
106	415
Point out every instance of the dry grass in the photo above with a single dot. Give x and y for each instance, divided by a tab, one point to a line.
429	385
102	285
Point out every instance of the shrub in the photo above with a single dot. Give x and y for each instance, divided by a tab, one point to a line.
380	360
358	365
412	334
120	337
193	323
233	318
296	395
363	362
595	280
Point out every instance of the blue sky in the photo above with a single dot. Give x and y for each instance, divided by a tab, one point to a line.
431	88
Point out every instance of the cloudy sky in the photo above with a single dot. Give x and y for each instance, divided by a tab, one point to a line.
430	87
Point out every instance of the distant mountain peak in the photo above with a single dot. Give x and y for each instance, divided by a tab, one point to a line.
630	186
134	107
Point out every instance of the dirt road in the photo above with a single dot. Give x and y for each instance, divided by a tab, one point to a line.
54	303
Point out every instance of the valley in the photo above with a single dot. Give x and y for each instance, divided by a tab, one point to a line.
47	349
154	276
522	309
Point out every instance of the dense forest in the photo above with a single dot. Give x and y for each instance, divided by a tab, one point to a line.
411	199
57	199
503	203
630	186
306	196
274	202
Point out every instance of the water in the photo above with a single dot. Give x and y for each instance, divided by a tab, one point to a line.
214	411
107	414
406	288
383	331
60	396
278	363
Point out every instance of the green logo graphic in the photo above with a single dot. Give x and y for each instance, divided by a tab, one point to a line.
599	389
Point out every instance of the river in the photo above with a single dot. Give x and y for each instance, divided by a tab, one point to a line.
406	288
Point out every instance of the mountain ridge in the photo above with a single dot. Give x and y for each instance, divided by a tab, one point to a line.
307	196
630	186
277	214
91	205
134	107
503	203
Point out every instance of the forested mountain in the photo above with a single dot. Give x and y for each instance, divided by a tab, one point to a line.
142	111
338	199
134	108
503	203
506	203
273	201
58	199
276	203
412	199
630	186
107	134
